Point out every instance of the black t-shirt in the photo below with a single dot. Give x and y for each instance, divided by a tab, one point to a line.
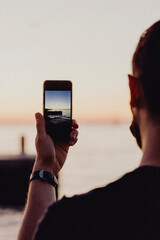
128	208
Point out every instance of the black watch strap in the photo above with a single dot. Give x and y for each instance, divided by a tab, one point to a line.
44	176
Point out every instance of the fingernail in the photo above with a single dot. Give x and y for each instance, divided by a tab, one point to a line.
72	143
74	136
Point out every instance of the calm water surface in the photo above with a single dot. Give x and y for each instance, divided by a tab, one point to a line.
103	153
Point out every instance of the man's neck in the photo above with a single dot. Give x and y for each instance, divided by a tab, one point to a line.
150	144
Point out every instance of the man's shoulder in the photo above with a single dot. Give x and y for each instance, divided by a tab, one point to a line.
123	184
131	197
132	183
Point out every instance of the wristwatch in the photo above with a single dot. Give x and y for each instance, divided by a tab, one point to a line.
44	176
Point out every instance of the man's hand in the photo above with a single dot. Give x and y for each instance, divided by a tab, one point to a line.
51	156
41	195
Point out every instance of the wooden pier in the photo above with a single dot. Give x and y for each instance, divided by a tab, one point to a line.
14	180
15	171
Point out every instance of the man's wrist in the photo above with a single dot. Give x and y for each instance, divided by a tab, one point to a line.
38	165
42	167
44	176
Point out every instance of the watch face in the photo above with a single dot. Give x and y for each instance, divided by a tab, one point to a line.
44	176
41	174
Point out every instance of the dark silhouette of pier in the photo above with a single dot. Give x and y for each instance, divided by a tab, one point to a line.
15	172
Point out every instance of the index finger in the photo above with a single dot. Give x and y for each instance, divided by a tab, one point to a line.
74	124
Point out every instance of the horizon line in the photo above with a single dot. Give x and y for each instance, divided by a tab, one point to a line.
82	121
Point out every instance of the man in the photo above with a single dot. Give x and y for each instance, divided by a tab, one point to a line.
126	209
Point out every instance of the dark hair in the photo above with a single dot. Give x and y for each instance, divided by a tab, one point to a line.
146	66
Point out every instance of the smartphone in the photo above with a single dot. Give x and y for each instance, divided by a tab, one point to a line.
57	109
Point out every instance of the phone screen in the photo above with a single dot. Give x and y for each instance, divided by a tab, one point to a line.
58	110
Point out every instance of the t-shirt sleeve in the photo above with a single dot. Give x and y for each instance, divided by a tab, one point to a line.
66	218
58	223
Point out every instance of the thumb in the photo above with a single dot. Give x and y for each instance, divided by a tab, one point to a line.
40	124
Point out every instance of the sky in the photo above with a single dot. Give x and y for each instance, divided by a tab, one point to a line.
90	42
57	99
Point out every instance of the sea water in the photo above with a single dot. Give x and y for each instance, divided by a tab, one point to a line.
104	153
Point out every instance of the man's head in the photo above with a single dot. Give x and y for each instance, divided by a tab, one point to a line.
145	82
146	67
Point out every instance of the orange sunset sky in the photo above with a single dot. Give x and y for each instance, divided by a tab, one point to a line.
89	42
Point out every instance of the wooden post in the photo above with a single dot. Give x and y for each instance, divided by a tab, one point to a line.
22	145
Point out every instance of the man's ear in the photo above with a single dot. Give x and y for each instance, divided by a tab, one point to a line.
134	91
